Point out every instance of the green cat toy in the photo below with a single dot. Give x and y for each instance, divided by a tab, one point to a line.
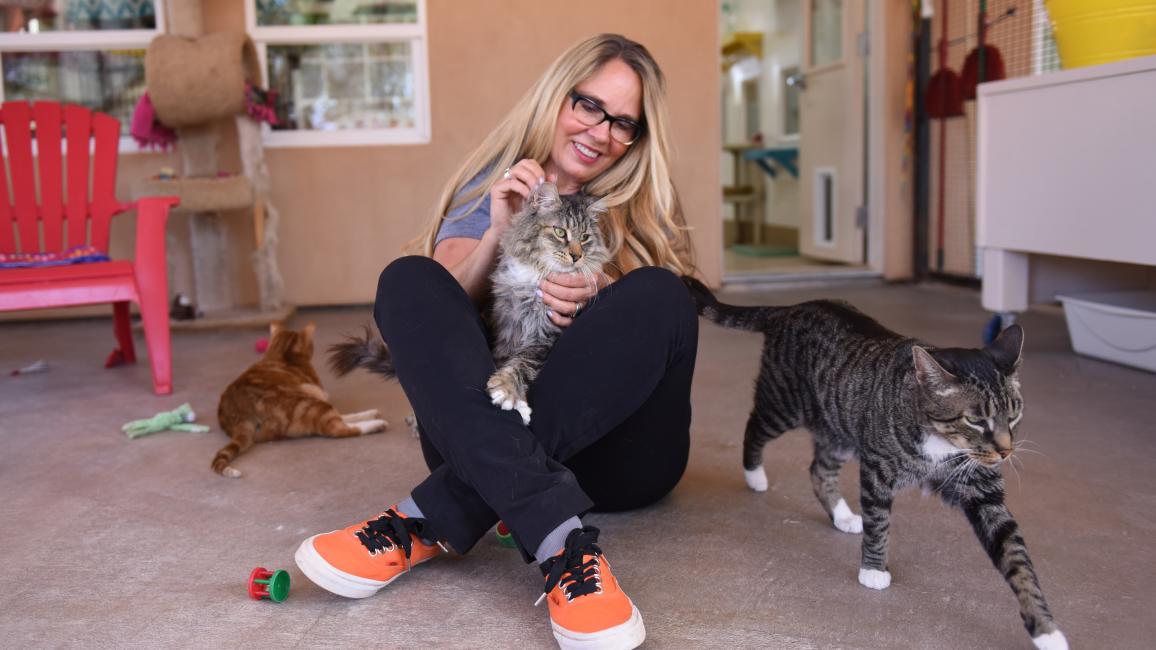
178	419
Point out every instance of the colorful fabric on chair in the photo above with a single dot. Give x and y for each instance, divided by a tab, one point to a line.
74	255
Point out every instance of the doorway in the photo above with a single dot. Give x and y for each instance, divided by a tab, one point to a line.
793	92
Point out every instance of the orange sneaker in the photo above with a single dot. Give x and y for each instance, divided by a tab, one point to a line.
588	609
358	561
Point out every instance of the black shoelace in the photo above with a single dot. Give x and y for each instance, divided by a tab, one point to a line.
391	531
578	575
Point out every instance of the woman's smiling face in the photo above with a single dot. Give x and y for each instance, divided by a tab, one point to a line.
580	153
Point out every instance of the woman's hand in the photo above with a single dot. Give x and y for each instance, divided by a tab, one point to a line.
567	294
509	194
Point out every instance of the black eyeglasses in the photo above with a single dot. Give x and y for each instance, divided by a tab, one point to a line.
588	112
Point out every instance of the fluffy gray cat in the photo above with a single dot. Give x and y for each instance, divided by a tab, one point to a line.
552	234
913	415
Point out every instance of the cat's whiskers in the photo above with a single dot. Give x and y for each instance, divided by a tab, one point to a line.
972	466
960	468
1019	481
1018	446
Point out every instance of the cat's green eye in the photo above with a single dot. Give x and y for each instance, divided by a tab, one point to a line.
560	233
976	421
585	238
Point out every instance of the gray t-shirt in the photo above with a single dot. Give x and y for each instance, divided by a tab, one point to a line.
461	220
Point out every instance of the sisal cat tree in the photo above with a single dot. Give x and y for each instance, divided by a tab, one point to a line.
196	83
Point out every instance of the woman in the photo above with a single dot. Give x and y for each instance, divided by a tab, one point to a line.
611	405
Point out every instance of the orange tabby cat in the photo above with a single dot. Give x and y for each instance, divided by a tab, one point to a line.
280	397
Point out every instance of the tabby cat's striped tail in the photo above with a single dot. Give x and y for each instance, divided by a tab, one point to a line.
753	319
367	351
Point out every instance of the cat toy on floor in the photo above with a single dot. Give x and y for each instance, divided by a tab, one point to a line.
269	585
178	419
502	532
33	368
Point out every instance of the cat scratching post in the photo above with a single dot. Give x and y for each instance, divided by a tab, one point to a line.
196	83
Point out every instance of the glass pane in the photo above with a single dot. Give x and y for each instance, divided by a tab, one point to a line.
72	15
826	32
790	102
343	86
345	12
110	82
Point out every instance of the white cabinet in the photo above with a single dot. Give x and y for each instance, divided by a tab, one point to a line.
1066	166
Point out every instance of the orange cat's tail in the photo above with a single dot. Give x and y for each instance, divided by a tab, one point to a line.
367	351
228	453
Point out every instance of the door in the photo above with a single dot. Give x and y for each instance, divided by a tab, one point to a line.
831	132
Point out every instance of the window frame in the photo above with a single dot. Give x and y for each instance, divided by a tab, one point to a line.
415	34
86	40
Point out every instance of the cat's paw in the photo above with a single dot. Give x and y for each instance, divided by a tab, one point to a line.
370	426
506	395
523	409
1051	641
361	416
756	478
874	578
846	520
231	472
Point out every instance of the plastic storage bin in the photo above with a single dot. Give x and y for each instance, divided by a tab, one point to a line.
1090	32
1115	326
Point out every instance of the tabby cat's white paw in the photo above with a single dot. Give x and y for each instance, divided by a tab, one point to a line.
874	578
1051	641
370	426
846	520
230	472
756	478
523	409
498	397
509	402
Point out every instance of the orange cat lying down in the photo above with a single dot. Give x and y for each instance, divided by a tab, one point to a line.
281	397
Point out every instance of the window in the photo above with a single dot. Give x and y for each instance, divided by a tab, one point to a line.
88	52
789	94
826	27
344	73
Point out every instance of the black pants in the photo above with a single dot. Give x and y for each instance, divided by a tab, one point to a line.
610	427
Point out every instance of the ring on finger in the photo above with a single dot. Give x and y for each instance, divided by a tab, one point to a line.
506	174
577	308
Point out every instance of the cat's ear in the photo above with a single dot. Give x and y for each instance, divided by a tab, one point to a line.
929	373
545	197
309	330
274	327
596	209
1007	349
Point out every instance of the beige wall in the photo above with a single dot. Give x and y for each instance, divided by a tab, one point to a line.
898	156
346	212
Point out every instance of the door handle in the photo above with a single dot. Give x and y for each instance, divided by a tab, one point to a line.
797	79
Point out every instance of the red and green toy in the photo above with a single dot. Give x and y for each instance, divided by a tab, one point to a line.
269	585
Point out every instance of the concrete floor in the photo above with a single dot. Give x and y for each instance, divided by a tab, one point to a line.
109	542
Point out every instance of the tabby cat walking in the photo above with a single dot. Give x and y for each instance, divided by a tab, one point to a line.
281	397
913	415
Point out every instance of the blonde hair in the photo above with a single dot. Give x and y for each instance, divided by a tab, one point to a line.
644	225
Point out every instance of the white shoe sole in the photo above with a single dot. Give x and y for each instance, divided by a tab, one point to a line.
626	636
334	580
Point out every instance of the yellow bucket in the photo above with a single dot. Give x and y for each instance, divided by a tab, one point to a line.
1090	32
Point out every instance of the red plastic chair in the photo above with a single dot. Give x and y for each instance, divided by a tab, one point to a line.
66	216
